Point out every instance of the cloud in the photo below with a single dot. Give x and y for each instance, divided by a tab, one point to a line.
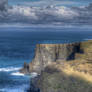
55	15
3	4
37	15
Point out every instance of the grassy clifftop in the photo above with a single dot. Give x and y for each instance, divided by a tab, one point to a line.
64	80
83	61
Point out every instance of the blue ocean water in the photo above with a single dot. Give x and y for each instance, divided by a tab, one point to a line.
17	45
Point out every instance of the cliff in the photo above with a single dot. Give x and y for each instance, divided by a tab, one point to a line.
57	79
62	68
48	53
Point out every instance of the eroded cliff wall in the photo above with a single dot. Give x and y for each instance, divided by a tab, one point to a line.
72	76
47	53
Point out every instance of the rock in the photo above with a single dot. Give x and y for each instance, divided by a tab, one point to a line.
33	87
25	69
53	77
47	53
54	80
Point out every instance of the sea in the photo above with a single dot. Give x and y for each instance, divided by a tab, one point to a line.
17	45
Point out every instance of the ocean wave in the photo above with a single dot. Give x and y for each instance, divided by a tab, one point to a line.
34	74
17	74
10	69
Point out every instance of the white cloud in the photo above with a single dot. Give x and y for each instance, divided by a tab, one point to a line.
48	15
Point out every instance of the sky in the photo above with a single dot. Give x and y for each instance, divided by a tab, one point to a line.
50	2
61	12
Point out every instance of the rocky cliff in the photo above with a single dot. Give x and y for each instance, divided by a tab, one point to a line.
64	68
48	53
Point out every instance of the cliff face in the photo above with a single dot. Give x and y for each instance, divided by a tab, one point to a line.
64	68
48	53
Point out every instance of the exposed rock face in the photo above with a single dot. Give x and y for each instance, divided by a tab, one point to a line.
62	76
25	69
47	53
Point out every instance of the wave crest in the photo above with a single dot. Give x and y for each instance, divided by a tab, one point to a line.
10	69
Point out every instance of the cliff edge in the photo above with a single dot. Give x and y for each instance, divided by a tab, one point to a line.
62	68
47	53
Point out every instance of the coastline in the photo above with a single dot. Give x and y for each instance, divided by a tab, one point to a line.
57	63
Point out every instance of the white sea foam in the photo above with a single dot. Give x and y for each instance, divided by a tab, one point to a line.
17	74
10	69
34	74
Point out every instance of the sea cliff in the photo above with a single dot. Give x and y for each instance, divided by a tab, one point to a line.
62	68
45	54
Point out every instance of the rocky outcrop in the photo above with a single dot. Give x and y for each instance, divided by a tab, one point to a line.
25	69
47	53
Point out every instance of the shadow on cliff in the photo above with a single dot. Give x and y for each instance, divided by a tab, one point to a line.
77	49
53	80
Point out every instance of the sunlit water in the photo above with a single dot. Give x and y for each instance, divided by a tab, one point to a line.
18	44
